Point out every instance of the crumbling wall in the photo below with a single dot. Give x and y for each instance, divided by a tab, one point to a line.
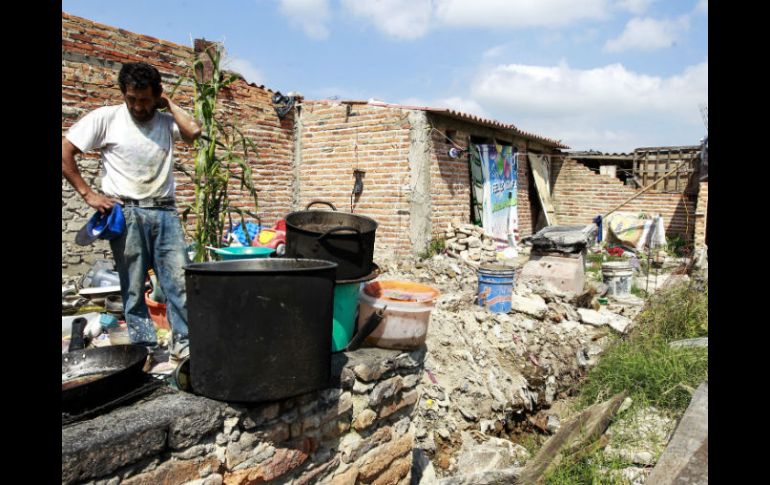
357	431
580	195
340	137
92	55
700	214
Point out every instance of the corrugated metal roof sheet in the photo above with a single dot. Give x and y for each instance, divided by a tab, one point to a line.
466	117
595	154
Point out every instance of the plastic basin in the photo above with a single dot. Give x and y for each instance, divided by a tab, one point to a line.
405	322
243	252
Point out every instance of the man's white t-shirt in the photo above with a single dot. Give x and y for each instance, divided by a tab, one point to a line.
137	158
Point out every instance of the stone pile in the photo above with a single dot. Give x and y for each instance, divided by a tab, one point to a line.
468	243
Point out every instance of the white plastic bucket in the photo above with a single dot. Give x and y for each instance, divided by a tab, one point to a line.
618	276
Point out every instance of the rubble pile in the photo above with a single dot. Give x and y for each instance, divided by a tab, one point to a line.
468	243
487	373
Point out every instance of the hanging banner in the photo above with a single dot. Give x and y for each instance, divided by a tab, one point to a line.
500	204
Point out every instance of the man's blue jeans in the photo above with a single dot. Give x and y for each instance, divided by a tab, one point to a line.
153	239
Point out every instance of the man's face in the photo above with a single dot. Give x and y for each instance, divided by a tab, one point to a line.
141	103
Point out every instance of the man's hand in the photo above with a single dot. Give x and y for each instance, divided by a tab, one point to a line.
100	202
163	101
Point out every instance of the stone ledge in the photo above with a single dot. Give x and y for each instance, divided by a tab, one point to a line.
170	425
101	445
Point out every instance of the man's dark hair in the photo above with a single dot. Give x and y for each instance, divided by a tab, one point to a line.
139	75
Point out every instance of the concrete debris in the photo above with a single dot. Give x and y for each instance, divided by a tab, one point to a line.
690	342
534	306
640	437
604	317
492	454
487	371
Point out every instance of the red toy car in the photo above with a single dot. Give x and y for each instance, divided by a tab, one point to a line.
274	238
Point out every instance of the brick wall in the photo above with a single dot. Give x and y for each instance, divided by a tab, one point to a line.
450	178
92	54
338	138
579	195
700	214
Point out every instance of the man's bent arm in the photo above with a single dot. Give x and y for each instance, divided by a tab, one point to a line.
69	170
188	127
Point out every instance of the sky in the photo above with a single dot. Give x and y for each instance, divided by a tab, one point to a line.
607	75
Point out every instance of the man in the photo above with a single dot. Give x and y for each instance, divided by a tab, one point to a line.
136	143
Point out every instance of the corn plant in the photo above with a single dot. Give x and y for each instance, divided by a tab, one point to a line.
222	158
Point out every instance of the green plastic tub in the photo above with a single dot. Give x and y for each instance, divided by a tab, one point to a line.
243	252
345	306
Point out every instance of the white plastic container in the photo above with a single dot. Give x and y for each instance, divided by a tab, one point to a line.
405	322
119	335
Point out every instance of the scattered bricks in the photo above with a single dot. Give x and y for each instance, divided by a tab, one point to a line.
343	405
411	360
237	453
369	364
317	473
193	452
290	416
347	378
348	477
295	429
385	390
410	381
364	419
283	461
378	459
382	435
407	399
230	424
259	415
362	388
395	472
311	422
474	242
369	374
330	395
335	428
275	433
174	471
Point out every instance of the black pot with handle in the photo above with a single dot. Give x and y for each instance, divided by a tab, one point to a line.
339	237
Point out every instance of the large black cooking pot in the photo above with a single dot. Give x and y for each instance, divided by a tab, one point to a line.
345	239
260	329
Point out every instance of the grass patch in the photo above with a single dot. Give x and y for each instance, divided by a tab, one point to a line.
586	470
531	441
595	258
678	312
435	246
645	365
652	372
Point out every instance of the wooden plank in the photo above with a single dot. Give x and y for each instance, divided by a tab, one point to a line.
668	164
540	173
581	430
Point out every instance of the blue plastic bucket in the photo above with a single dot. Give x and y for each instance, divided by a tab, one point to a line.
495	287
